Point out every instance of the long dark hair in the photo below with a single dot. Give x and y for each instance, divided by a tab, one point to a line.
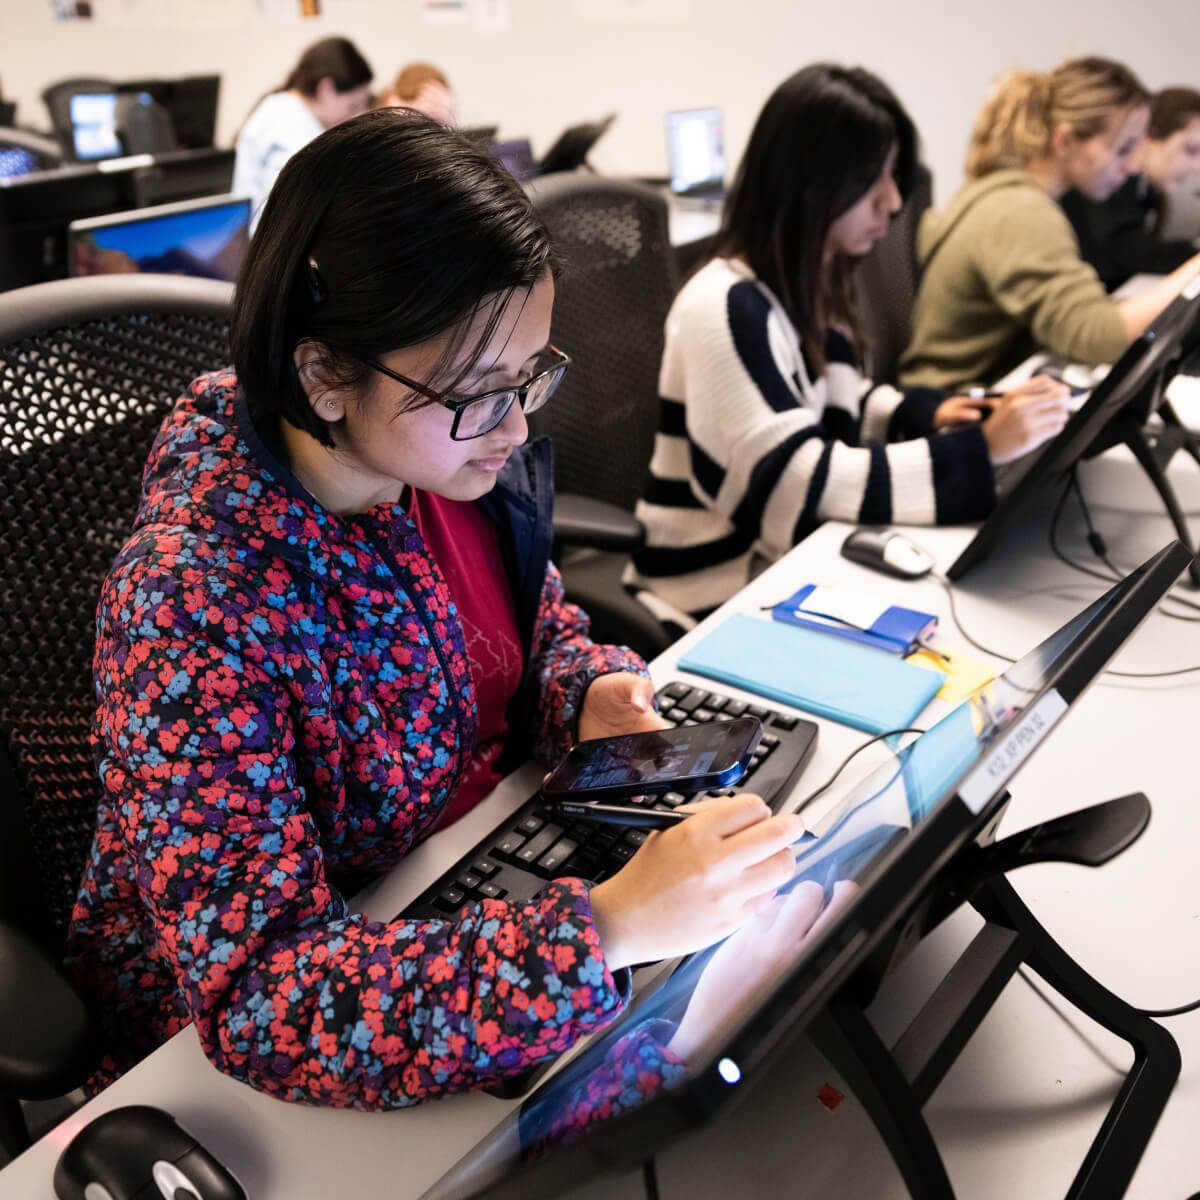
818	145
1171	110
383	233
335	58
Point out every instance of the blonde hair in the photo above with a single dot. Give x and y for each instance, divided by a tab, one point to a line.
1017	121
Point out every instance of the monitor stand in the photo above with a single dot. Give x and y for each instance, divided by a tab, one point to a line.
894	1083
1154	457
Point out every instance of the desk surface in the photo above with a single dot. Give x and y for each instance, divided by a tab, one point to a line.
1016	1113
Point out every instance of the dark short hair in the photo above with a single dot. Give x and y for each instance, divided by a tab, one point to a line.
386	231
1171	110
818	145
335	58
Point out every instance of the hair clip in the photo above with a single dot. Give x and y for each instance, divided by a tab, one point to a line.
314	281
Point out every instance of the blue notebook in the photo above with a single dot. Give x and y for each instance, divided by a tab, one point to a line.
829	676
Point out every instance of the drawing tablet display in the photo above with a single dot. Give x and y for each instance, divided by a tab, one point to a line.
632	1089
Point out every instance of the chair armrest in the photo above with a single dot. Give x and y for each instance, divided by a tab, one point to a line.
47	1043
584	521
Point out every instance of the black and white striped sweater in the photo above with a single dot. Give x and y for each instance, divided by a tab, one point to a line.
752	453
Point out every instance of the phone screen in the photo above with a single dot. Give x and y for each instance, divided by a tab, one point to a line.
698	755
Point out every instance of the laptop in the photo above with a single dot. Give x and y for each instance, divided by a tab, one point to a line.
206	238
696	154
894	833
94	125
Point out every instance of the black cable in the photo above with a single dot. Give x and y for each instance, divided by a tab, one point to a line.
650	1178
846	762
959	625
1178	1011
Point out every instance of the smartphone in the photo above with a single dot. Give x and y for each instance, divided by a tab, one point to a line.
618	777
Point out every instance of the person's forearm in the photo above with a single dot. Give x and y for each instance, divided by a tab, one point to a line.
1138	311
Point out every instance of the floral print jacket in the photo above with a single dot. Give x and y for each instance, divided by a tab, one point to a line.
284	708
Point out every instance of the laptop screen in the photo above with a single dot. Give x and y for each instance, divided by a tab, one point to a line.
206	238
696	150
516	157
686	1044
94	125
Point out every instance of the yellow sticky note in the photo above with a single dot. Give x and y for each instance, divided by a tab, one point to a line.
964	674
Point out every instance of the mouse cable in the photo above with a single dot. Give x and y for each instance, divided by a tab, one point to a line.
1177	1011
846	762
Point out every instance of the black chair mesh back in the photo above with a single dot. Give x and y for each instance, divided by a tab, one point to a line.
886	284
617	284
79	409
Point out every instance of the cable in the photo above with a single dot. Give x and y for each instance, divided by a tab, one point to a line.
846	762
959	625
1178	1011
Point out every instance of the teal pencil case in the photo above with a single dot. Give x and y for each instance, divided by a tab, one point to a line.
829	676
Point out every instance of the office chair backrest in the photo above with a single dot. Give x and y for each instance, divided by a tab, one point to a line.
57	99
143	125
88	369
617	284
886	283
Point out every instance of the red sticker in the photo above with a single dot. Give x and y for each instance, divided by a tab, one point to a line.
830	1097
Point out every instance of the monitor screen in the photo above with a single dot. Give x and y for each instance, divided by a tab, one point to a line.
696	150
689	1042
1131	389
206	237
16	160
516	157
94	125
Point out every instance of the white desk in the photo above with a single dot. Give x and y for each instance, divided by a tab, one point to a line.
1016	1113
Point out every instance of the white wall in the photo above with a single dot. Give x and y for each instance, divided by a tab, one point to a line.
566	60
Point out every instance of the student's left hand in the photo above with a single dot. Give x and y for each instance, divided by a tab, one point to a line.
620	702
959	410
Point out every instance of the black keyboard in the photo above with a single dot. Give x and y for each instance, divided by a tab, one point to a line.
537	843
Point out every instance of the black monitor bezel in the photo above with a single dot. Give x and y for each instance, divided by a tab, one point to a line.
1128	388
573	145
897	888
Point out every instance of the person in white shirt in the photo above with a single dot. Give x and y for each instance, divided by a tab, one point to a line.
330	84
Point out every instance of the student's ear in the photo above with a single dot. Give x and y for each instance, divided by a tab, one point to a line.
311	360
1062	140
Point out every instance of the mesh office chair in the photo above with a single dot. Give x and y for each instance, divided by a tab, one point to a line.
618	283
88	369
886	283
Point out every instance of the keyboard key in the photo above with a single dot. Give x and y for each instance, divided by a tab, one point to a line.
484	868
670	799
530	825
677	715
623	854
450	899
558	854
674	690
468	882
490	891
539	844
634	837
693	699
769	740
784	721
757	710
735	708
716	702
509	844
704	714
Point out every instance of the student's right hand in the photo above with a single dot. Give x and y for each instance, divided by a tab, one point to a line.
696	882
1026	417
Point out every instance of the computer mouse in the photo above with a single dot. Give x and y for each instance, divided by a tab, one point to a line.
140	1153
887	551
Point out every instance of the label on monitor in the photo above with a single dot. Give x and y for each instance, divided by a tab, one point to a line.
1002	760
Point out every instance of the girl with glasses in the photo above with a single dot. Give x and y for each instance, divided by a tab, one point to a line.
334	628
767	423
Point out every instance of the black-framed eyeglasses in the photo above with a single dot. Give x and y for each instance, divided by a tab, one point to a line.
476	415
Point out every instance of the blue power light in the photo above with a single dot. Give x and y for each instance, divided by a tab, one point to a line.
729	1070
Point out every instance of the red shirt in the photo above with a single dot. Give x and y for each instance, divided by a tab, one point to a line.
464	543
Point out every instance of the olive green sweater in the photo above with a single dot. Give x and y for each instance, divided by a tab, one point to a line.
1002	277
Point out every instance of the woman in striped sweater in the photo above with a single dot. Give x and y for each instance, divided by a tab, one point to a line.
767	425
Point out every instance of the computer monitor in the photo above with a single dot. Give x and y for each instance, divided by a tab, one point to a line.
1114	412
191	103
35	210
895	835
16	160
206	238
94	125
696	151
571	148
516	157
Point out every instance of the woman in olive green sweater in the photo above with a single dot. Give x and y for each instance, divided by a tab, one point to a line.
1002	274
